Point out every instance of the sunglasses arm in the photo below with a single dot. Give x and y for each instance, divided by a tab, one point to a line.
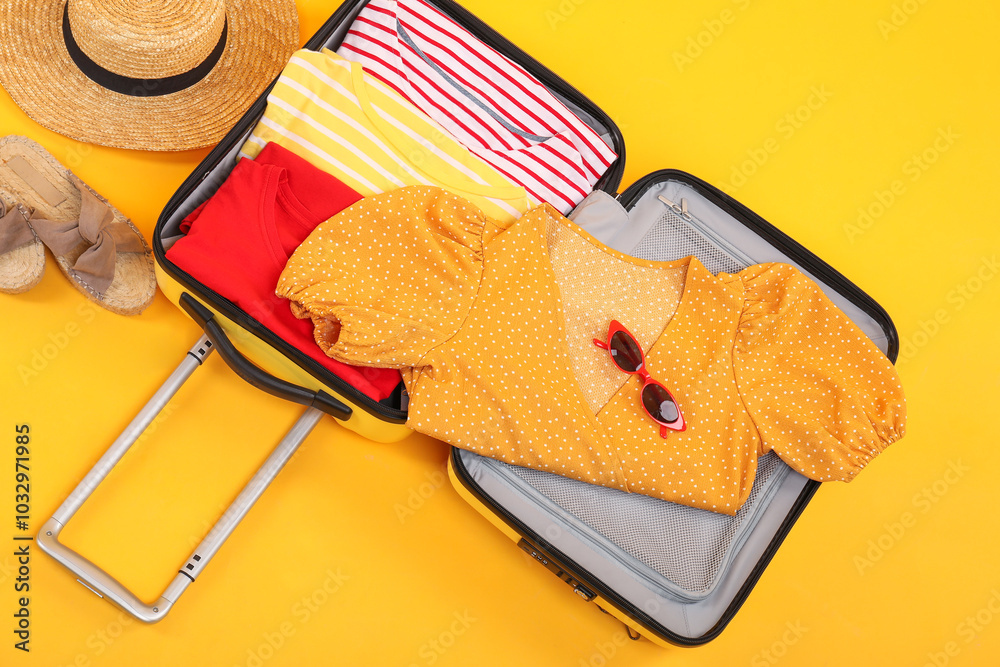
601	344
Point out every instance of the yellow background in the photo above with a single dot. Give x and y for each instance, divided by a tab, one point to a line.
849	586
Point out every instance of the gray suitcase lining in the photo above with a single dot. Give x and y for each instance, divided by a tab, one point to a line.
681	566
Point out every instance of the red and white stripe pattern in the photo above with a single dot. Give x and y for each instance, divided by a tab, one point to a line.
489	103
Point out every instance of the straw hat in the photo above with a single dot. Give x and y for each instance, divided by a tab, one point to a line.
144	74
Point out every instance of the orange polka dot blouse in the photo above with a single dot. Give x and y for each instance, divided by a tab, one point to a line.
492	325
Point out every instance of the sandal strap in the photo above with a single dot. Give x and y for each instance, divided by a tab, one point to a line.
94	235
15	230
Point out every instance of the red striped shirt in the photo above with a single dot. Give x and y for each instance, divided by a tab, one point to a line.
489	103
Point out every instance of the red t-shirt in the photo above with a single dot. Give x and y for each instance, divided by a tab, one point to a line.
237	244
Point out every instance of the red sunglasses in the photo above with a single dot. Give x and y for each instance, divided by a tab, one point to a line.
657	400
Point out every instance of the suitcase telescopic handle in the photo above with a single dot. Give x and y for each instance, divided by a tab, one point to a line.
104	584
252	373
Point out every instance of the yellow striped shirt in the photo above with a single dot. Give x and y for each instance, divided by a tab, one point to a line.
331	112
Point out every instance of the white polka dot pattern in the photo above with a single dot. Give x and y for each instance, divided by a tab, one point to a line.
492	323
597	287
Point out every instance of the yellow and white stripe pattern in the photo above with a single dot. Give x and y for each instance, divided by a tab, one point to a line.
330	112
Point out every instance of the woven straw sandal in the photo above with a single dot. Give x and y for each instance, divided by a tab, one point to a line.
99	249
22	255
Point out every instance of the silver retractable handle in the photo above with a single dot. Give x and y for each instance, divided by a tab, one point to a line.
102	583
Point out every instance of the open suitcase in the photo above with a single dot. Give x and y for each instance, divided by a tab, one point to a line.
674	574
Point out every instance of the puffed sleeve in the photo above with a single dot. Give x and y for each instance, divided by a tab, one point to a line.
389	278
820	393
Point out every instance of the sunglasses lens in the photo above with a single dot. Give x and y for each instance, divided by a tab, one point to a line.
625	352
659	404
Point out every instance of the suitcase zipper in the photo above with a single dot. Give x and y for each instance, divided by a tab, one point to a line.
775	237
582	575
706	231
640	571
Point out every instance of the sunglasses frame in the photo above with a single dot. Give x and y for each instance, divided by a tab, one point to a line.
617	327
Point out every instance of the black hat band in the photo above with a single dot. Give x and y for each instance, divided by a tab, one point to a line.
140	87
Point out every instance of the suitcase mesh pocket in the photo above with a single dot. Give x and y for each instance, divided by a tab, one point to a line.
673	237
687	546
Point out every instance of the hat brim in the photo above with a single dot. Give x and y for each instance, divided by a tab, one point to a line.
37	71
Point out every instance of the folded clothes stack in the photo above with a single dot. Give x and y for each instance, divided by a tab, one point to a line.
405	197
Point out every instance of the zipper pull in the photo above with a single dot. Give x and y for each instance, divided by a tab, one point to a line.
681	210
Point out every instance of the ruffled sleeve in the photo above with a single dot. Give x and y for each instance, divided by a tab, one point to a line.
819	392
390	278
